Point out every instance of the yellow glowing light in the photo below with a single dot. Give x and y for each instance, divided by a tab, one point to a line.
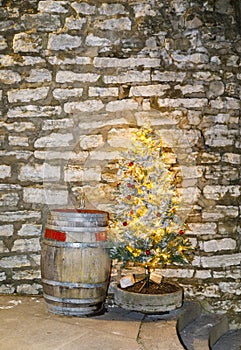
129	248
164	256
136	253
181	249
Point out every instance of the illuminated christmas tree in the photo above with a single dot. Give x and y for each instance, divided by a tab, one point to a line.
145	228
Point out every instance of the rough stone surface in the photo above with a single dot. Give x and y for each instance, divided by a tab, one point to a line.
77	77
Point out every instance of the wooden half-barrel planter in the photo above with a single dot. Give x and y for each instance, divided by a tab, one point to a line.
148	303
75	264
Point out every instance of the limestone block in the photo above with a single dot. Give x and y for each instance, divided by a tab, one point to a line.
149	90
121	105
109	177
209	228
93	40
216	60
83	8
193	59
225	173
218	245
26	245
53	6
7	289
64	155
216	88
104	92
106	62
111	9
203	274
218	192
21	215
221	260
210	158
91	141
73	23
9	77
168	76
232	158
204	76
92	123
15	261
142	10
2	276
6	230
120	137
232	61
3	43
194	23
17	154
26	275
67	60
157	119
210	291
45	22
101	193
73	173
9	199
5	171
225	103
39	76
45	196
30	230
176	273
51	124
128	77
234	273
19	126
230	287
86	106
36	258
6	61
70	77
29	289
190	89
115	24
220	212
3	248
189	195
218	136
183	102
54	140
64	94
61	42
192	172
27	95
104	155
23	42
9	187
32	111
39	173
92	174
18	141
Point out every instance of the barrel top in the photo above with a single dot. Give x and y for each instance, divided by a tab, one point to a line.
81	211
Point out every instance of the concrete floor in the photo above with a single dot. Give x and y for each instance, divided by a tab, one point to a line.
25	324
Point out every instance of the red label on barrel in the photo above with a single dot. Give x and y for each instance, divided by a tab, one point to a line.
55	235
101	236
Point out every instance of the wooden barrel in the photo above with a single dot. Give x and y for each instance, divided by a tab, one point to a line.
75	264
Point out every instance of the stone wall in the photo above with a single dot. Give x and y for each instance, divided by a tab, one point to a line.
76	78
